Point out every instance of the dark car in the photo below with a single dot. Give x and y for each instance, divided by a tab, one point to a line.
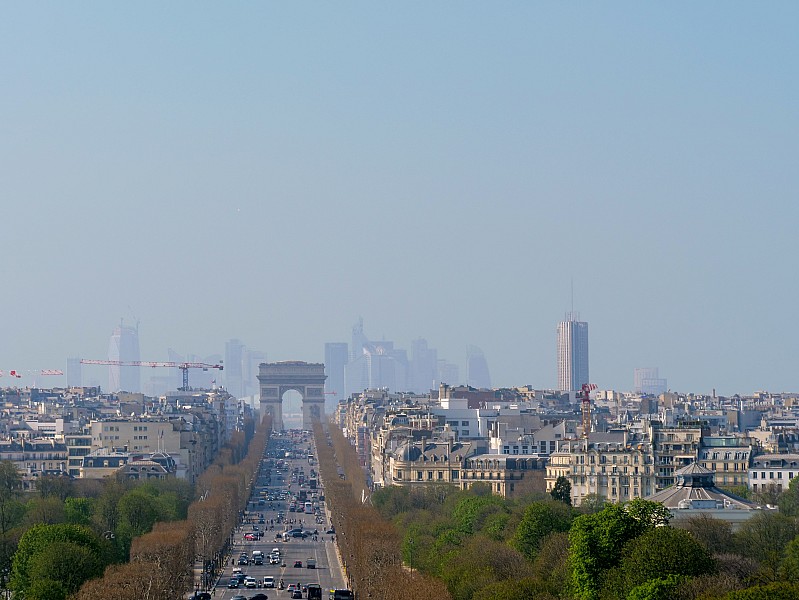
298	564
234	583
201	596
296	594
244	560
260	597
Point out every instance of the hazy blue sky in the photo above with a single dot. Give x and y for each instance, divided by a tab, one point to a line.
273	170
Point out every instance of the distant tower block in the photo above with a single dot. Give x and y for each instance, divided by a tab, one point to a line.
308	379
572	353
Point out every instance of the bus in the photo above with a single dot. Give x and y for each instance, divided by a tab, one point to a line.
309	508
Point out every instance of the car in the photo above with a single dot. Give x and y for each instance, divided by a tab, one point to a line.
296	594
260	596
201	596
298	564
269	581
240	578
238	597
273	560
250	582
331	531
276	550
234	583
250	537
244	560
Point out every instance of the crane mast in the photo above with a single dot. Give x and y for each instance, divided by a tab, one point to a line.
586	406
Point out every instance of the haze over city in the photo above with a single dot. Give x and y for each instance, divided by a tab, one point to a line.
463	172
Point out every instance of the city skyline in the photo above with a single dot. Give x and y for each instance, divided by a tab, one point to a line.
271	172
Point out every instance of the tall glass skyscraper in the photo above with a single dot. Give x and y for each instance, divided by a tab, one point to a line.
124	346
572	353
477	374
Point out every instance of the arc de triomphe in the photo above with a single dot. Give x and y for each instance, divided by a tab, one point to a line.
306	378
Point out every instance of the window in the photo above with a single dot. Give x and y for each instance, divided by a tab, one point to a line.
399	473
455	474
441	475
464	423
419	475
430	475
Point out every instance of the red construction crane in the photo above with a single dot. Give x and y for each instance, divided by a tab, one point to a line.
183	366
586	395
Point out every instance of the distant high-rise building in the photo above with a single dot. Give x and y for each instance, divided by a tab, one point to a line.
336	359
252	358
477	374
647	381
448	373
234	368
124	347
423	367
572	353
74	373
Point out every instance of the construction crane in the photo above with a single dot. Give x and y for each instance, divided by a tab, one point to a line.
586	402
183	366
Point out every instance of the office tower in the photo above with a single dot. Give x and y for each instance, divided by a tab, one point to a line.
477	374
447	373
359	339
234	371
423	367
646	381
124	347
572	353
336	359
252	358
74	373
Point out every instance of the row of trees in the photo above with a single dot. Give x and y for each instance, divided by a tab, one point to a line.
70	531
161	565
370	546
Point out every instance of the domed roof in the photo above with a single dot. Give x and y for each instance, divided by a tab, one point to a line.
408	452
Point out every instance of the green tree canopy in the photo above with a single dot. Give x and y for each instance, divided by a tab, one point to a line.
39	539
539	520
663	551
597	540
10	487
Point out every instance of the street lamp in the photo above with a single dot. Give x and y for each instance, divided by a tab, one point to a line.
410	555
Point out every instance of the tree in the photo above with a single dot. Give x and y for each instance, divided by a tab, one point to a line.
66	562
715	534
772	591
597	540
592	503
10	487
656	589
58	486
540	520
663	551
551	565
789	569
78	511
40	539
764	537
47	511
562	490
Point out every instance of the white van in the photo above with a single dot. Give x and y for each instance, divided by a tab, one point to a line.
269	581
